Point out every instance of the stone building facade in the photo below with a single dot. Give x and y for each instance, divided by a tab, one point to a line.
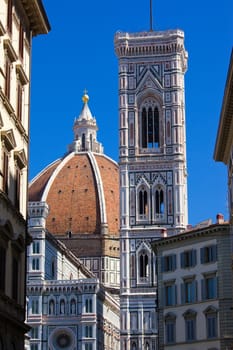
195	288
20	21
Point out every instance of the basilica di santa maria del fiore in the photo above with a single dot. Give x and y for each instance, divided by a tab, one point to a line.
112	263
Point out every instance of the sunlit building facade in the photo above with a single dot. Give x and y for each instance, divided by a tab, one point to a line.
20	21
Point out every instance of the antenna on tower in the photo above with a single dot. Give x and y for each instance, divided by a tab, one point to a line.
151	17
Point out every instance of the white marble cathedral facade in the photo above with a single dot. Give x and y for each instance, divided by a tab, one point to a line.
67	307
153	177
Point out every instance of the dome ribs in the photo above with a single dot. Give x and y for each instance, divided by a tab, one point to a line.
82	191
74	201
38	184
110	179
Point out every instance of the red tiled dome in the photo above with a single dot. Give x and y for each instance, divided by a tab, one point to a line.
82	191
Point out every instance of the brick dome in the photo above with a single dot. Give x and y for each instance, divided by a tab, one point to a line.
82	191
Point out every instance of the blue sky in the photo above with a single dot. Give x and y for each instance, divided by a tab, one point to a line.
78	54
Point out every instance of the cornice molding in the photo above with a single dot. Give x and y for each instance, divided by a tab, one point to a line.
36	14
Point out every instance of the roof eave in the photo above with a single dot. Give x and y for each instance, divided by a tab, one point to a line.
225	128
37	17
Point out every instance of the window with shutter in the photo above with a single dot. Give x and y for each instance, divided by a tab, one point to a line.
189	291
209	287
190	325
170	328
209	254
168	263
188	258
170	294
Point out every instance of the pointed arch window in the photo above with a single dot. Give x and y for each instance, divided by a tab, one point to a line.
150	127
143	203
143	265
159	202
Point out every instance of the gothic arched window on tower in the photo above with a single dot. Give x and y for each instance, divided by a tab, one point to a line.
143	204
143	266
150	127
159	203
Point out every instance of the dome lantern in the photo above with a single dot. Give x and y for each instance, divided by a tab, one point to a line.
85	131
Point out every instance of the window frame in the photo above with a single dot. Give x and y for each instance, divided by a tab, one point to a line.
143	203
170	328
8	68
189	290
209	254
190	318
150	125
168	263
211	315
170	294
188	258
209	287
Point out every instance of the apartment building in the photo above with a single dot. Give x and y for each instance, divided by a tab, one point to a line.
20	21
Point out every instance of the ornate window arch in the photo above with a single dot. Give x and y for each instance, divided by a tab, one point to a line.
150	124
143	264
159	202
143	202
